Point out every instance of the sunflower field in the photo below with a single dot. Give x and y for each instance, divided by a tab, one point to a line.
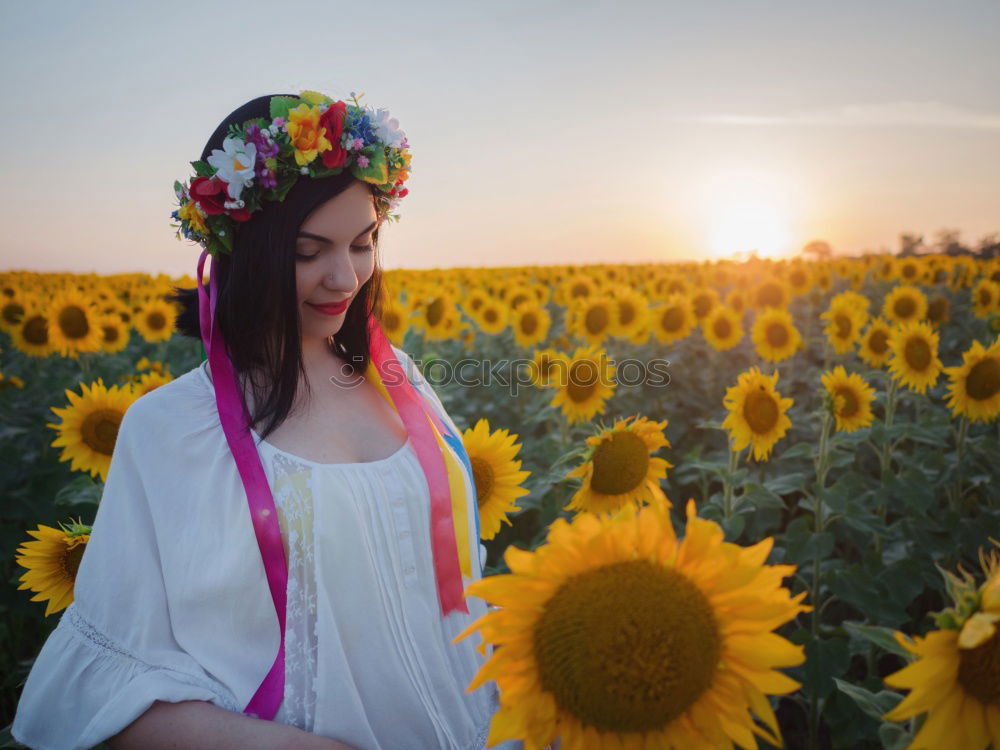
725	504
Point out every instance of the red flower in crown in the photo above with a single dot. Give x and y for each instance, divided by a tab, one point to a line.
333	121
211	195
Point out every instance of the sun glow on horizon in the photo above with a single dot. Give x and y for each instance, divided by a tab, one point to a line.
747	211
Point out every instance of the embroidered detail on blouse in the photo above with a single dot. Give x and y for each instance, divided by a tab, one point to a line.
80	628
293	501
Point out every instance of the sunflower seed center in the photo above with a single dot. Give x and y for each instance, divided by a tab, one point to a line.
905	308
722	327
627	647
596	320
156	320
36	330
435	311
672	319
983	381
760	411
777	335
13	312
529	323
582	380
620	464
979	671
917	354
100	430
73	322
878	342
482	474
849	405
843	324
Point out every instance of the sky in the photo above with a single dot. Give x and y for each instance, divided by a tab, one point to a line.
541	132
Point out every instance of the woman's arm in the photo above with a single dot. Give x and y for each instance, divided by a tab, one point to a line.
190	725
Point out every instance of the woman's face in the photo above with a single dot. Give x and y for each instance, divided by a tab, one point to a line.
334	257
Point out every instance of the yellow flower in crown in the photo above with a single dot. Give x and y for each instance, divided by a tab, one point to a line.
305	133
190	212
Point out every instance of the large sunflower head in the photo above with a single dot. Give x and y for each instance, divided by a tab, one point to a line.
673	320
616	634
496	473
589	383
914	360
52	561
852	399
770	292
114	333
631	311
89	426
905	304
774	335
955	675
618	467
757	413
974	386
723	328
492	317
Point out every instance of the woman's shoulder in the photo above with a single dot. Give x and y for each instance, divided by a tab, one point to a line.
187	400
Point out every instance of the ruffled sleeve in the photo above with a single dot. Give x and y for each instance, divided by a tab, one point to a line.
113	652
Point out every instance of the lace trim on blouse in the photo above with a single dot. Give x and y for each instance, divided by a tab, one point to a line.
108	648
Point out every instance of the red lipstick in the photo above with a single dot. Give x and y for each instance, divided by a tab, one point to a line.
333	308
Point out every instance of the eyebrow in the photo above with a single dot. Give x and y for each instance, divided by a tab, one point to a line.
327	240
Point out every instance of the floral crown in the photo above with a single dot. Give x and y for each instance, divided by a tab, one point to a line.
261	159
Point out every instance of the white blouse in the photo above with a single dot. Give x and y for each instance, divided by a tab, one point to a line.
171	602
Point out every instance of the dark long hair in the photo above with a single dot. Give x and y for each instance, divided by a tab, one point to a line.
258	310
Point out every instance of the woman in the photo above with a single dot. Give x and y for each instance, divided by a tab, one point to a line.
285	532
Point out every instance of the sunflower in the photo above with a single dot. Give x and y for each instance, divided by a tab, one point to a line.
492	317
904	304
631	311
914	360
12	310
974	387
852	399
149	382
89	426
615	634
73	324
985	298
674	320
774	335
799	278
548	368
703	301
618	467
737	300
576	288
530	322
844	320
395	319
591	319
756	413
770	292
723	328
155	320
32	334
437	317
497	475
114	334
589	383
874	348
52	561
955	678
938	311
474	300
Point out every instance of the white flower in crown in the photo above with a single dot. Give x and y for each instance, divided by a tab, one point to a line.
234	164
387	129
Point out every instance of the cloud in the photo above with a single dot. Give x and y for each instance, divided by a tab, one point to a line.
890	114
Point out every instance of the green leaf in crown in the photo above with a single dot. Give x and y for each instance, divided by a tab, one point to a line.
377	171
281	104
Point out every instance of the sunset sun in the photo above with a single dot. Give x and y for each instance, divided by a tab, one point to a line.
747	211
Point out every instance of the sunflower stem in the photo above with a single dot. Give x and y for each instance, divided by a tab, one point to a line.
890	413
963	431
822	468
727	483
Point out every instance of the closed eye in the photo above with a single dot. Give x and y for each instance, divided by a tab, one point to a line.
358	248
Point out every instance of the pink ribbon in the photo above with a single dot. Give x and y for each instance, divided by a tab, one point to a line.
235	419
235	424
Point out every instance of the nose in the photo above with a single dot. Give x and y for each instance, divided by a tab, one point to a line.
339	274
